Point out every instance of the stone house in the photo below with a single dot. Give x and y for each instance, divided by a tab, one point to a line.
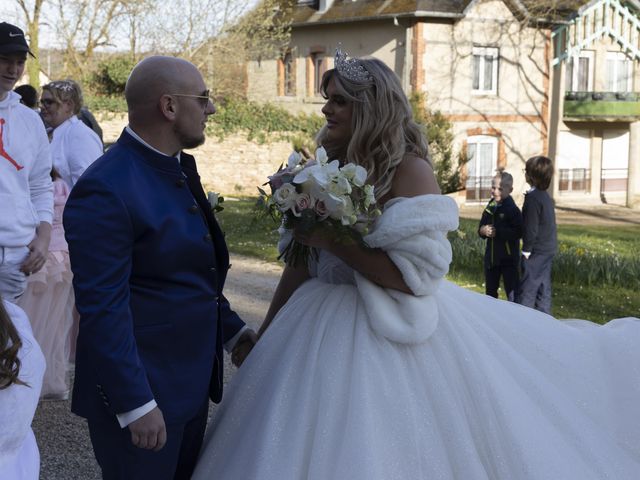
515	77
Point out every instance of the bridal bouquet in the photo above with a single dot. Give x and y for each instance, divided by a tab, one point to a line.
318	193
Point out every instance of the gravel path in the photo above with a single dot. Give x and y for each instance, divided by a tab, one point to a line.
63	438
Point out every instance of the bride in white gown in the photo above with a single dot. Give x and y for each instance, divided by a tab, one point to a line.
375	368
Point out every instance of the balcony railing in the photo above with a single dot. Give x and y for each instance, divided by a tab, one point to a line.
614	180
478	188
574	180
601	106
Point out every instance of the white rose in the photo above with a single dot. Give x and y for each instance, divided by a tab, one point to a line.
285	197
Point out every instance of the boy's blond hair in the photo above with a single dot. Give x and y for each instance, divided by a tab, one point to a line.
506	181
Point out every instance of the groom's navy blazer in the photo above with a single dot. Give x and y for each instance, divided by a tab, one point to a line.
149	263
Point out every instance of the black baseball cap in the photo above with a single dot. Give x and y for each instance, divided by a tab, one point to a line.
12	39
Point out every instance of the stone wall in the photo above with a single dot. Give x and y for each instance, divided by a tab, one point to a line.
234	166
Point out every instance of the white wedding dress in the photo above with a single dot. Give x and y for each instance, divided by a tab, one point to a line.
19	455
486	390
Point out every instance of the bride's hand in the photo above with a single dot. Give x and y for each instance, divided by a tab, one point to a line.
315	238
243	347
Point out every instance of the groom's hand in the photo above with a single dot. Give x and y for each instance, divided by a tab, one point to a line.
149	431
243	347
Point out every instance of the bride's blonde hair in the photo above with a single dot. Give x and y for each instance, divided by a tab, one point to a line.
384	131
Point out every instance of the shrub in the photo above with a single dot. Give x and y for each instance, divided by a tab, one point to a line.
114	104
111	76
262	122
440	138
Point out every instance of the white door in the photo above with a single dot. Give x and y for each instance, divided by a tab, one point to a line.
573	160
615	160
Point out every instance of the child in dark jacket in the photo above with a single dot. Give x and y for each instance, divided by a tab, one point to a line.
539	236
501	226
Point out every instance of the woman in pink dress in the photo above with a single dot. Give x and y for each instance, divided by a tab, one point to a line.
49	300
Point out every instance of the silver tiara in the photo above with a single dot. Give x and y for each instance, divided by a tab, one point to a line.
64	85
350	68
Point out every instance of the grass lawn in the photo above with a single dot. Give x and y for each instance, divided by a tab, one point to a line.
246	231
596	275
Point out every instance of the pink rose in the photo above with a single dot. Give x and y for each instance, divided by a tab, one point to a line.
321	209
302	203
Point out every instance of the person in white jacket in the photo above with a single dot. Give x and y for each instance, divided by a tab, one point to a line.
74	146
26	190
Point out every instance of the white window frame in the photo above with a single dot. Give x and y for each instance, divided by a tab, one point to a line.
589	54
485	139
615	56
482	140
318	60
483	52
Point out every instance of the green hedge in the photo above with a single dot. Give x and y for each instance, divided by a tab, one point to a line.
96	103
262	121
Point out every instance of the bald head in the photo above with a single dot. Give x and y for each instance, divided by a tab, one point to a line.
156	76
168	103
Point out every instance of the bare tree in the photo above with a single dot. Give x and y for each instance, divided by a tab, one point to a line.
86	25
134	25
218	36
262	33
32	12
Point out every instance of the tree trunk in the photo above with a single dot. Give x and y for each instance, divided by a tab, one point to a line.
33	65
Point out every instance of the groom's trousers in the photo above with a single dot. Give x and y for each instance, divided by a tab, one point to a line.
119	459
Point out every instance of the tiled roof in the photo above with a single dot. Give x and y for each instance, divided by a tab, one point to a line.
342	10
349	10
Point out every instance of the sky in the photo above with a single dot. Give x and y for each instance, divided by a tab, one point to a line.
10	12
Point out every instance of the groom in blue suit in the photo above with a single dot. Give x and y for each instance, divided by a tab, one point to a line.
149	263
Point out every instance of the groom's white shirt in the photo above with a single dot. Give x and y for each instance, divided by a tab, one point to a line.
126	418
